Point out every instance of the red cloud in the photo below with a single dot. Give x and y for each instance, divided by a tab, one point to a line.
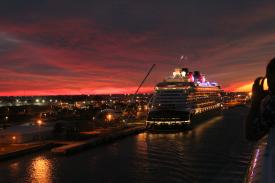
88	62
73	56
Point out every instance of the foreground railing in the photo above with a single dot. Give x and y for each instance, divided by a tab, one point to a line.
255	171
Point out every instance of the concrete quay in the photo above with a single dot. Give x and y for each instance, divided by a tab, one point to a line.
101	139
16	150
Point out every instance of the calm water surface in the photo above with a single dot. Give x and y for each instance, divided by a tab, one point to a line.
214	151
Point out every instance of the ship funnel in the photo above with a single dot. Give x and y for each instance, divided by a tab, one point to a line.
199	77
197	74
186	70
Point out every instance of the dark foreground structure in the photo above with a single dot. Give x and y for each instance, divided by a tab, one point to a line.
214	151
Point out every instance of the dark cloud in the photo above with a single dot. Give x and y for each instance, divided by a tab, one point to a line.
95	46
7	44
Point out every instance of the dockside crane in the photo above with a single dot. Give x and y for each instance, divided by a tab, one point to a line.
149	72
140	85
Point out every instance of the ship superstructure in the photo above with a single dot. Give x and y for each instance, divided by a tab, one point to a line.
181	97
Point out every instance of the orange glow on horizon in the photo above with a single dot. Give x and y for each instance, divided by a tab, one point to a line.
107	90
239	87
245	88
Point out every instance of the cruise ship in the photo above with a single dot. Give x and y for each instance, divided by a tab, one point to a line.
183	98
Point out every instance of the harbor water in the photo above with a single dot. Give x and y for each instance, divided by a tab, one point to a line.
214	151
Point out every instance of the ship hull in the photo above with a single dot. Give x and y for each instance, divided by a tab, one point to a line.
170	120
203	117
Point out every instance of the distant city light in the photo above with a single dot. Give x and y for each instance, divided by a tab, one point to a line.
37	100
145	107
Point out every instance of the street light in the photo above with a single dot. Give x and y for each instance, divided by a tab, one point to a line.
39	122
109	117
13	139
5	122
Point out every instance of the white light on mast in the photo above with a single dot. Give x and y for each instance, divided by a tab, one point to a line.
184	58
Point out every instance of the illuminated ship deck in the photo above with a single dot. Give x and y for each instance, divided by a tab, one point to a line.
183	96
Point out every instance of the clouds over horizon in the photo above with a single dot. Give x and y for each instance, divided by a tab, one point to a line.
63	47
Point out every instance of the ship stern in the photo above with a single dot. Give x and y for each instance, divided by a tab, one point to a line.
168	119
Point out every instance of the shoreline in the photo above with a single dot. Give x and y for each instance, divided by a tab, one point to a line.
67	148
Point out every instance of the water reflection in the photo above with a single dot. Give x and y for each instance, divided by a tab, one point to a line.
208	124
142	144
167	135
41	170
14	168
199	131
200	155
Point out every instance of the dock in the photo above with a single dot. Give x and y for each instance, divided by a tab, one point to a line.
16	150
58	147
101	139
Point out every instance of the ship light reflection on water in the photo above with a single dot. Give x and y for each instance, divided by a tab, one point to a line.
14	167
41	170
200	129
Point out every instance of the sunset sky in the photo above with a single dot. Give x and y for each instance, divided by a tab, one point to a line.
90	47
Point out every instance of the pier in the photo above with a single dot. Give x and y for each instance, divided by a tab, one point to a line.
17	150
61	147
101	139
